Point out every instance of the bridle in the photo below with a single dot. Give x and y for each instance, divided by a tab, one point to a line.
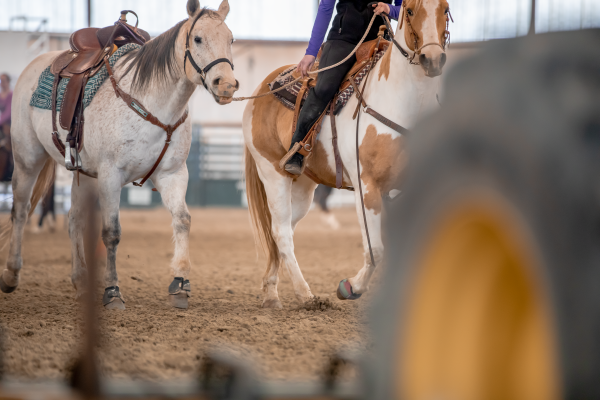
413	33
201	71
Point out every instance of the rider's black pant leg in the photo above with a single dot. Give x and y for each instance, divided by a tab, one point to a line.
328	84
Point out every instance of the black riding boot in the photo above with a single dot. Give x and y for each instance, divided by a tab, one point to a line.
311	111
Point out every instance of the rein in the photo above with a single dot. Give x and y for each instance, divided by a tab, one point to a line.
315	72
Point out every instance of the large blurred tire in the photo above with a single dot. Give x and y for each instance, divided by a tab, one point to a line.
492	286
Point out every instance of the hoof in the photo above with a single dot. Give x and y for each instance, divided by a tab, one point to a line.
116	304
273	303
179	300
344	291
112	299
4	287
179	292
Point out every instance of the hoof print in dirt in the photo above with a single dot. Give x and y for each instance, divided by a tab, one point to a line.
179	292
316	304
112	299
272	304
345	292
5	288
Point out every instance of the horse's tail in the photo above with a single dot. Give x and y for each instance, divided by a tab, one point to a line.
43	183
259	211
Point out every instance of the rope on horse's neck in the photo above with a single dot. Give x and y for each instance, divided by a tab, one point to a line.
316	71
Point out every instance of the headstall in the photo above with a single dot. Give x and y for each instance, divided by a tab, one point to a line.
188	56
404	16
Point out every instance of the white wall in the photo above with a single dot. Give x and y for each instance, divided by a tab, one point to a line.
14	53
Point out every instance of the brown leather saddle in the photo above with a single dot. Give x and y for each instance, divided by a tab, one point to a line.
89	46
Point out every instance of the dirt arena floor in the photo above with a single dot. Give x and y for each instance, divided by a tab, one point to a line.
150	340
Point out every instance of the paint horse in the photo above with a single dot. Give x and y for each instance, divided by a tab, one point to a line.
402	86
120	147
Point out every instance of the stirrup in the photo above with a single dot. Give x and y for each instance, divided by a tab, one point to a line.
71	154
289	155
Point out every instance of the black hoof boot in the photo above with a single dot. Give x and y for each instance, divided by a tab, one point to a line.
294	164
179	292
112	299
4	287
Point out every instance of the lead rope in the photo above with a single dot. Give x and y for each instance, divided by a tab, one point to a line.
313	72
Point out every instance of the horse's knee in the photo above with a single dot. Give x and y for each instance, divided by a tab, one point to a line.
111	234
19	214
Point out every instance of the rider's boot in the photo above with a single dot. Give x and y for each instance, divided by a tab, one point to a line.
311	111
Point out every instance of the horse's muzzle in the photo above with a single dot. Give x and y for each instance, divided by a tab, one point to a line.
223	91
432	65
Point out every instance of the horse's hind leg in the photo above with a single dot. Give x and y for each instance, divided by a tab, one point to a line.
286	210
84	205
172	188
28	166
302	195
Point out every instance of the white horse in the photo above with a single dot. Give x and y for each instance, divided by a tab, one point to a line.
119	146
399	90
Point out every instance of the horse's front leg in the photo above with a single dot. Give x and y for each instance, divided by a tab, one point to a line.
172	188
353	288
109	187
84	207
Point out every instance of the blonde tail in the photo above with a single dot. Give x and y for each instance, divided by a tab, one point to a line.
43	183
259	211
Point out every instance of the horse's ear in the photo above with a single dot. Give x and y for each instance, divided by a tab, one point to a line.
224	9
193	6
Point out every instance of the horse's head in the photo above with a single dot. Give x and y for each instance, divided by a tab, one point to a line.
208	60
425	25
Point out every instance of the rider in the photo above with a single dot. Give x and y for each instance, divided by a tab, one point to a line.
349	25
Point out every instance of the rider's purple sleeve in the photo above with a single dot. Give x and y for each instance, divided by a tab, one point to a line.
320	27
324	18
395	9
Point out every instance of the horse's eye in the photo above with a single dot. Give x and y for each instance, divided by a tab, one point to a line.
198	39
232	40
447	11
410	12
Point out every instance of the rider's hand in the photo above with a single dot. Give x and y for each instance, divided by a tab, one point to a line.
306	64
381	8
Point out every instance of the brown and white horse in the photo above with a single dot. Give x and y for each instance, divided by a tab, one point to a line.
399	90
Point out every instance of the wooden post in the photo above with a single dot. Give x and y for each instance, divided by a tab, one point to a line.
532	21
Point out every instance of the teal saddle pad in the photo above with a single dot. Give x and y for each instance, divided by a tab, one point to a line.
42	96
